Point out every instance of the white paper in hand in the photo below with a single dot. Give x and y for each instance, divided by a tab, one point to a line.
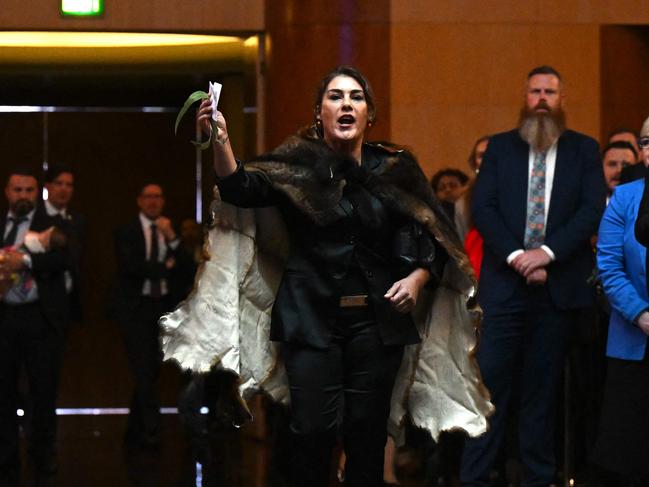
215	94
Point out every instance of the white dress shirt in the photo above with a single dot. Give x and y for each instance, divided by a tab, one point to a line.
550	164
163	245
54	211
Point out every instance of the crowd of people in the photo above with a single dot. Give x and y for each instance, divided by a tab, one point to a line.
41	248
486	210
354	298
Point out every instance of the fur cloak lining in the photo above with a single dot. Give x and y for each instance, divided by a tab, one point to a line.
225	322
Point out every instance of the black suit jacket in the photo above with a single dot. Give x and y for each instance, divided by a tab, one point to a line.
133	269
77	230
74	227
633	172
48	270
322	257
576	204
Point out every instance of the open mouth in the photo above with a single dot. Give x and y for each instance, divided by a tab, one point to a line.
346	121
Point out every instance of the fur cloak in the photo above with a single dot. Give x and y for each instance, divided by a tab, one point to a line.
225	321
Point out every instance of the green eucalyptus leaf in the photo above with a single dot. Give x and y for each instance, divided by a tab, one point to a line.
193	98
205	144
202	145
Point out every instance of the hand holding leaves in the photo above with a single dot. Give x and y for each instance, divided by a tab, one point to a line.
204	119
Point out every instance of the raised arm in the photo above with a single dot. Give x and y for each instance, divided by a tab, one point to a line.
224	162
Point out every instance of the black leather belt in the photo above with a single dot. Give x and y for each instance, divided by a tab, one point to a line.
354	301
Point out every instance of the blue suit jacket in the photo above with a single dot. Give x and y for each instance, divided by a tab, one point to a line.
576	204
622	267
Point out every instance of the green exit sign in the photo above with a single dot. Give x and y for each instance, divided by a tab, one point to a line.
82	8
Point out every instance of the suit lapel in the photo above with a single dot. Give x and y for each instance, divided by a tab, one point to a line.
41	220
519	171
139	238
3	224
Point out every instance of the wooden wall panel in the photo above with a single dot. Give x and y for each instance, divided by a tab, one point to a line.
127	15
521	11
305	41
461	81
625	78
465	11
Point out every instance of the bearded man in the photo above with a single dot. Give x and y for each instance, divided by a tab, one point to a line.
537	200
33	315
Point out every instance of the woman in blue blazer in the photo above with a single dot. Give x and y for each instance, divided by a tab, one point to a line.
622	445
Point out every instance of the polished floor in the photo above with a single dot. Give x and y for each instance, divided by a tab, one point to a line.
92	453
91	448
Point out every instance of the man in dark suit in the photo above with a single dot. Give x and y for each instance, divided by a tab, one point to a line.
634	171
537	201
146	258
33	314
59	183
617	156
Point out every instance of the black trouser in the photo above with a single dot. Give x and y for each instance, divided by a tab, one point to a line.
141	338
527	335
28	340
349	383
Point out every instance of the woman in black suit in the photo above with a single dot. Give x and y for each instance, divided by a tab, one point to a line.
357	263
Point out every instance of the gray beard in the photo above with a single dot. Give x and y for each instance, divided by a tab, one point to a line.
541	130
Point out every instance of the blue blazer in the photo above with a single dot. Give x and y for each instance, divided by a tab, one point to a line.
576	204
622	268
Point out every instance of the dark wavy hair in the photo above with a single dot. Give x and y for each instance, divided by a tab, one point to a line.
55	170
23	171
620	144
455	173
351	72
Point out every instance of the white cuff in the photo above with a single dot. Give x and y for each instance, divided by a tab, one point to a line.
33	244
173	244
513	255
549	252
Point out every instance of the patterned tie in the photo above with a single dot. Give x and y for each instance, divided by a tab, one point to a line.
23	284
156	290
535	224
10	239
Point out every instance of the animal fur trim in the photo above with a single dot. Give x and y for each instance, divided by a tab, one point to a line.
225	322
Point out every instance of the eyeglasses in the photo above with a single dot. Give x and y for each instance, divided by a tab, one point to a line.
643	142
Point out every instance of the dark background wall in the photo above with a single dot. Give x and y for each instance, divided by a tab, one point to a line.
113	154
